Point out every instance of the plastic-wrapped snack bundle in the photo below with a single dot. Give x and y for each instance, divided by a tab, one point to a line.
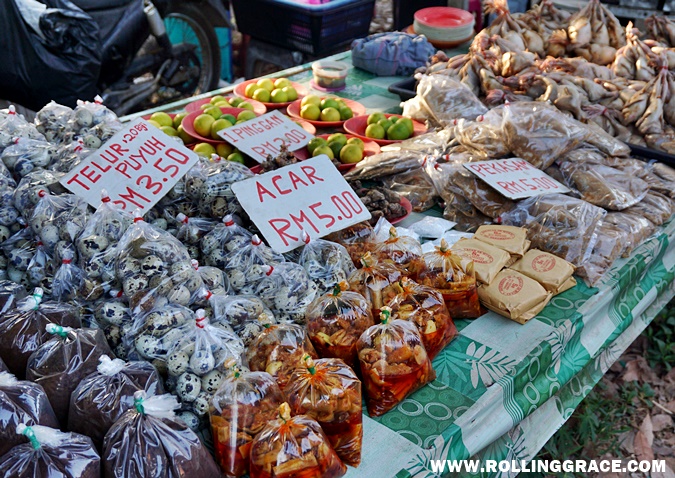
27	193
62	362
21	402
154	332
25	155
394	363
374	280
58	220
612	240
327	263
198	359
246	314
357	239
10	294
329	391
53	122
244	266
225	239
151	429
483	137
656	207
69	281
636	226
424	306
242	406
293	447
559	224
96	244
190	231
154	268
13	126
335	321
103	396
404	251
216	198
23	328
49	452
287	290
278	350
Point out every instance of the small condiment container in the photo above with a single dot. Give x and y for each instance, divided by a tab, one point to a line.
330	75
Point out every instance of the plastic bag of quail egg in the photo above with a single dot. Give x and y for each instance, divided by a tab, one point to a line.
216	198
94	123
287	290
13	125
244	266
190	231
246	314
111	314
69	155
18	251
26	154
41	268
68	281
327	263
53	121
27	193
226	238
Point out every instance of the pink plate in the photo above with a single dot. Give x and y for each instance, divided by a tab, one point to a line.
357	109
357	126
443	17
240	89
408	207
258	107
188	125
306	126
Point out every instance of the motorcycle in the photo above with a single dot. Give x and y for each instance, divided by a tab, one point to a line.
134	53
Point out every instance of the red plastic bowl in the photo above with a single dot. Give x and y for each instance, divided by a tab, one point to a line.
357	126
188	125
443	17
357	109
240	90
258	107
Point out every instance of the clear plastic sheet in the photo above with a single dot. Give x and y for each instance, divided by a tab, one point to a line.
287	290
425	307
559	224
22	329
329	391
278	350
336	320
243	405
293	447
103	396
21	402
63	361
394	363
604	186
374	281
48	452
149	441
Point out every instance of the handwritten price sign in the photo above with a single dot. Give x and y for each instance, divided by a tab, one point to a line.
265	134
515	178
137	166
310	196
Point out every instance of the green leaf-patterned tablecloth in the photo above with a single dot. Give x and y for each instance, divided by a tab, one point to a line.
503	389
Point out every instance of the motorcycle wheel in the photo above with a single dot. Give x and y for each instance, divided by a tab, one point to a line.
187	24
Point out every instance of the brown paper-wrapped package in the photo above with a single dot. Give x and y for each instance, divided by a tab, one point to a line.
487	260
511	239
514	295
554	273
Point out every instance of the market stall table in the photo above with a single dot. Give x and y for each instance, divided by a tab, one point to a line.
503	389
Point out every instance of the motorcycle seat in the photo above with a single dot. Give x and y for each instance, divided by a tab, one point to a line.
98	5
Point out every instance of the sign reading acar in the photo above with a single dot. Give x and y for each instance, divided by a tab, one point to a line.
265	134
310	196
137	166
515	178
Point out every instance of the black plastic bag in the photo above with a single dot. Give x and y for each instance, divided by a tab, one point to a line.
63	66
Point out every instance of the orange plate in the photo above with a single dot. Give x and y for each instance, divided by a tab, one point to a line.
188	124
408	207
357	109
258	107
241	88
357	126
370	148
306	126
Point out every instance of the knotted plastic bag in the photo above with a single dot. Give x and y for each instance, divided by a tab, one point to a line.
374	280
246	314
287	290
403	251
225	239
244	267
327	263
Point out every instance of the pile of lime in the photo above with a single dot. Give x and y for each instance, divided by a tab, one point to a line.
231	102
314	108
224	150
392	128
170	126
268	91
213	120
337	146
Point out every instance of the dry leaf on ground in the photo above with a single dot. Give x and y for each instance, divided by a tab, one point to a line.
661	422
638	369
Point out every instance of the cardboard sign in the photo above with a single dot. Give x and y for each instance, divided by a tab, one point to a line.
310	196
265	134
515	178
137	166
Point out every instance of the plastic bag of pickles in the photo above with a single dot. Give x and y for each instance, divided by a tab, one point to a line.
242	406
151	429
23	328
103	396
21	402
47	452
